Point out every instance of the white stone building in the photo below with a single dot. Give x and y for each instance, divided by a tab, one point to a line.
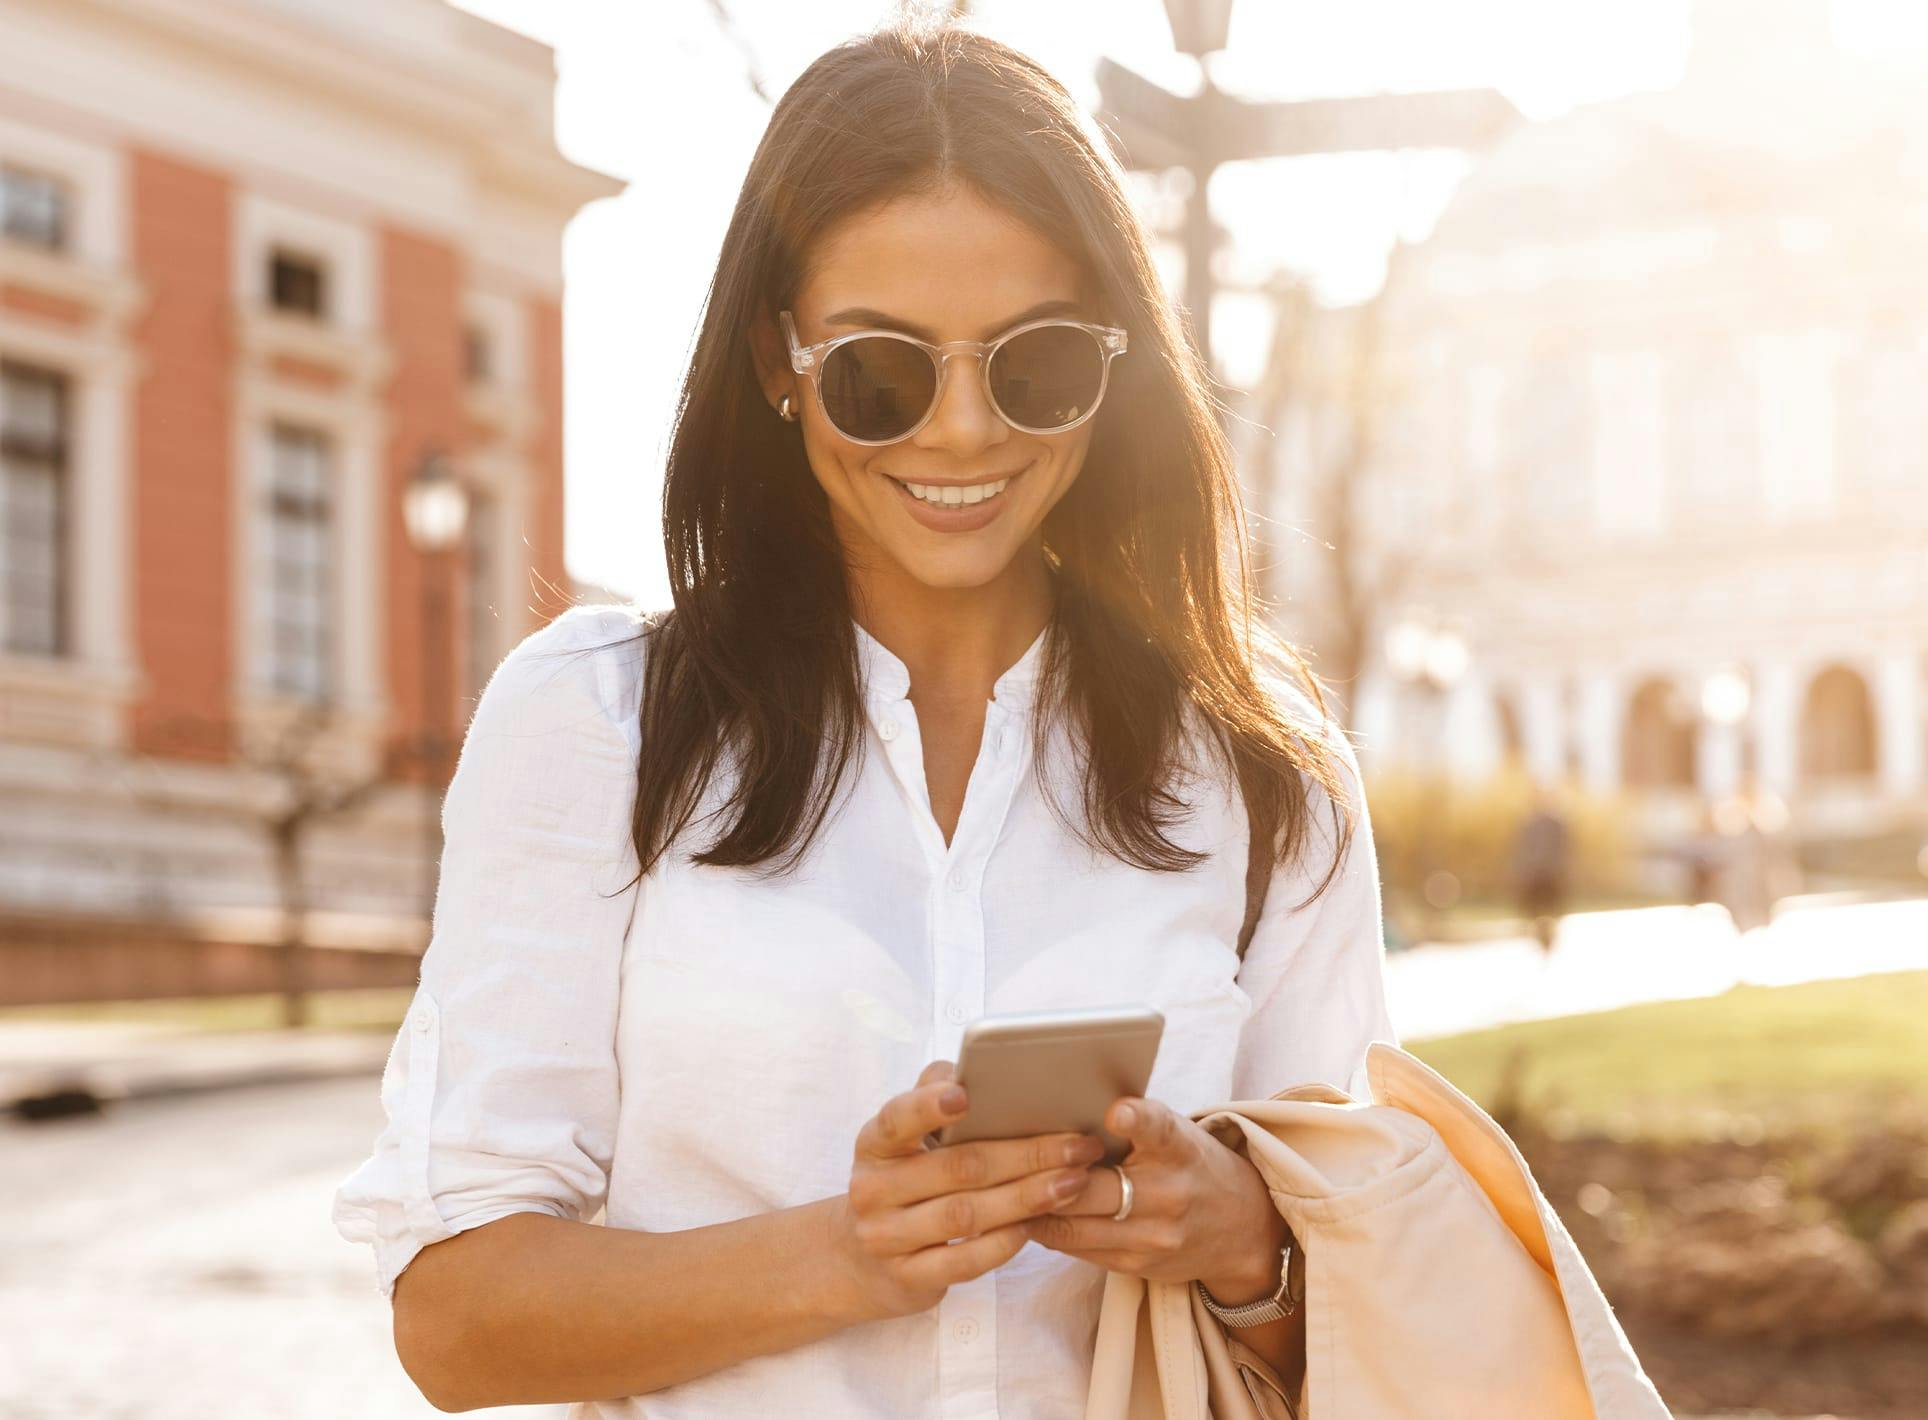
1658	448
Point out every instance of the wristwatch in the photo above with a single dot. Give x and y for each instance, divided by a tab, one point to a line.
1277	1307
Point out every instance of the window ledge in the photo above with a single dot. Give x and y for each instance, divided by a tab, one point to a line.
99	294
502	410
346	744
58	700
266	335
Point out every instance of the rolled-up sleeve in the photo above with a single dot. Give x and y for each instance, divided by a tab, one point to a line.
1316	973
500	1090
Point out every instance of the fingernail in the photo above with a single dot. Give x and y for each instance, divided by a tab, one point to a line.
1067	1185
952	1100
1127	1116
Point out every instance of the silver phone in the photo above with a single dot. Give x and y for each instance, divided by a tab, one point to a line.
1041	1072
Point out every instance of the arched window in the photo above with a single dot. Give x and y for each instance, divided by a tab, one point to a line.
1837	726
1657	743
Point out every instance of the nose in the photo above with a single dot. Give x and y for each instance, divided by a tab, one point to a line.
964	423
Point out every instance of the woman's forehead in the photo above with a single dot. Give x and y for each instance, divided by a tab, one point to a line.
949	263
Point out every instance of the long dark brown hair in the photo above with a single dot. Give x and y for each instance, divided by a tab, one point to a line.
759	655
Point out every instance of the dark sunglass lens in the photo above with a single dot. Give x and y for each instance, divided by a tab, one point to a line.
1048	377
877	388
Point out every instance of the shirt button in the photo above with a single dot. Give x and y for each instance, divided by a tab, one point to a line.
421	1020
888	729
956	880
954	1010
964	1329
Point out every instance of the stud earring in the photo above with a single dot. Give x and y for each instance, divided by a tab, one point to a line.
784	411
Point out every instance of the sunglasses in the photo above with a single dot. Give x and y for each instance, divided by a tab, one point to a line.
879	386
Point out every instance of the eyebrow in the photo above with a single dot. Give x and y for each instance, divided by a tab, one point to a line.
865	317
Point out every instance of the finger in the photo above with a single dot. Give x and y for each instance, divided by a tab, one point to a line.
1063	1234
936	1070
1111	1259
978	1163
900	1126
1150	1126
1102	1195
966	1214
935	1267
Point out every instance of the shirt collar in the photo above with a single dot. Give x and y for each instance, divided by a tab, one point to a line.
886	677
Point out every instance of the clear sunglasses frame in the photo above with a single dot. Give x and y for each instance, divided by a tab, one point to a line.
809	359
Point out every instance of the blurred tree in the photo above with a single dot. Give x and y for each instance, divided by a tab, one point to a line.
307	790
1313	430
752	68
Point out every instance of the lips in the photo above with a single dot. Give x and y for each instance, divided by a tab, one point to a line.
920	488
953	517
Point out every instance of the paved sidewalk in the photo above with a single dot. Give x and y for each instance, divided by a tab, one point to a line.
1602	960
1605	960
59	1067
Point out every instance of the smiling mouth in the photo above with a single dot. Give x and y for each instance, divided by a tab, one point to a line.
956	495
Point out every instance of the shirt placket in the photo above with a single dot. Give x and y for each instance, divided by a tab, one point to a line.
967	1314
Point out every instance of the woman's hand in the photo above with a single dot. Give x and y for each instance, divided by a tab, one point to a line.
907	1199
1199	1210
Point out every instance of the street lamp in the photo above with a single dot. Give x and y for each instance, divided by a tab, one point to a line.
1430	655
1724	696
435	506
435	510
1724	700
1199	27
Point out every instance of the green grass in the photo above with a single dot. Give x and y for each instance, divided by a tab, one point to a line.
1817	1056
379	1008
1813	1056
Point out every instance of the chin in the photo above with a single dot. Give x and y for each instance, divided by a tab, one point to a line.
959	571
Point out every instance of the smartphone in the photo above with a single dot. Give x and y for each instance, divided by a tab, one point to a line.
1042	1072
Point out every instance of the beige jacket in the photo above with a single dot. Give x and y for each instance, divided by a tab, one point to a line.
1439	1284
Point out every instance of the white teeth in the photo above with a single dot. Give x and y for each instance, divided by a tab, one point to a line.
952	496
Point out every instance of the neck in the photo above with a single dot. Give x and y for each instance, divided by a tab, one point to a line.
956	641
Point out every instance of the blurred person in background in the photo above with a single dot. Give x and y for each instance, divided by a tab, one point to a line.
940	437
1701	857
1757	866
1541	865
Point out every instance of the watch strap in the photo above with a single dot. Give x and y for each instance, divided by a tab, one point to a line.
1277	1307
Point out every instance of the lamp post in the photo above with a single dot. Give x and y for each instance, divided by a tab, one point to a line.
1724	700
1430	656
435	510
1199	28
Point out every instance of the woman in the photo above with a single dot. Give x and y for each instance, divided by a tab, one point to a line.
955	714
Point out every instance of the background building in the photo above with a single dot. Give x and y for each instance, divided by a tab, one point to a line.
1646	436
258	263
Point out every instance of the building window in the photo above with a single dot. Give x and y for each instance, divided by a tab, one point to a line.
296	557
1881	431
34	208
478	355
1712	433
1553	445
297	284
1838	731
1629	444
33	510
1658	748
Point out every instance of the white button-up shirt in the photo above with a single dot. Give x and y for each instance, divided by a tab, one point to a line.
705	1045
